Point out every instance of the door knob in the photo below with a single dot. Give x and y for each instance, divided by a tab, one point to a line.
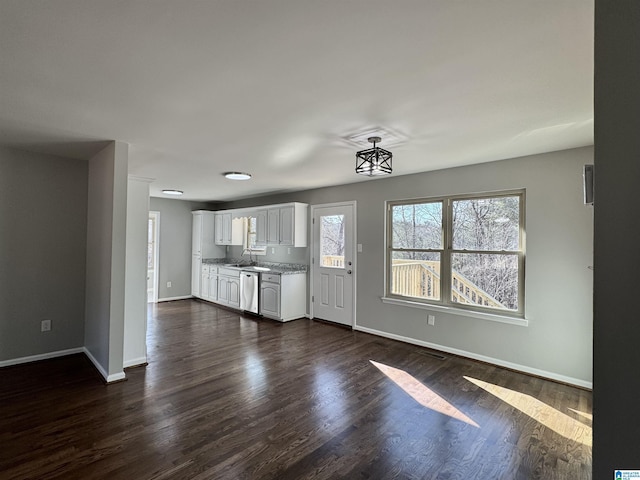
349	272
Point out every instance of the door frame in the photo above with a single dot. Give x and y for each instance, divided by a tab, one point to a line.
353	204
156	255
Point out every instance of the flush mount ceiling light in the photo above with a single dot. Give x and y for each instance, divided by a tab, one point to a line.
237	176
373	161
177	193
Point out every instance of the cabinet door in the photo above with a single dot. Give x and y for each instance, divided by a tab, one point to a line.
196	234
205	285
234	292
273	226
213	287
270	300
286	226
223	289
261	227
219	233
196	275
226	228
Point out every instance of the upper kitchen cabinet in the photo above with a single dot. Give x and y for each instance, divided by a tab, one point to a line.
228	230
284	224
202	239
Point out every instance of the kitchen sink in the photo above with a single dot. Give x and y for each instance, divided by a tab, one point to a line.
253	268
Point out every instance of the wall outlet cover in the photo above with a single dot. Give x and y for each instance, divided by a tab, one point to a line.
45	325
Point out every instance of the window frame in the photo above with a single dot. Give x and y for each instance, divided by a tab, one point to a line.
248	249
447	251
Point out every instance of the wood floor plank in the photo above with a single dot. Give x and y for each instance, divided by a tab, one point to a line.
227	396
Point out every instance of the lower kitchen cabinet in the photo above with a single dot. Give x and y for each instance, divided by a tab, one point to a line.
283	297
229	287
209	283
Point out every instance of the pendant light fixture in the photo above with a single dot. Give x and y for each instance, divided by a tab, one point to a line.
373	161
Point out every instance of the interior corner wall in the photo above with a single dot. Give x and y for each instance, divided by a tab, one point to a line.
616	394
43	226
135	302
559	249
175	245
105	273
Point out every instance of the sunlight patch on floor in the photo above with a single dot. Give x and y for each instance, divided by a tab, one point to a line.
548	416
421	394
586	415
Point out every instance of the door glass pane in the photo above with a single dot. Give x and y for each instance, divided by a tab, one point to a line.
332	241
485	279
417	226
416	274
486	224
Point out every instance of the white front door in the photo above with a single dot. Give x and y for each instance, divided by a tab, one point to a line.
333	262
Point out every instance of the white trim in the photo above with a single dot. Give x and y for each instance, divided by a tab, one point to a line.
523	322
156	255
482	358
114	377
41	356
135	362
354	210
171	299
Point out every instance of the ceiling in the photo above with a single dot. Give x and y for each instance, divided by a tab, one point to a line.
276	87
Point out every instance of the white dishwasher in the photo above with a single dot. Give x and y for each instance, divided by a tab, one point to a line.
249	289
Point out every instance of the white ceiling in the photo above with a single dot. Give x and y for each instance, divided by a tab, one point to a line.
272	87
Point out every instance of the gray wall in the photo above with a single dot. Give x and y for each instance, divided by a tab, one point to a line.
617	230
105	273
42	252
175	245
559	246
135	303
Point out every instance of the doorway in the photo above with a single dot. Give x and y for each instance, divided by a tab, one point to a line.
333	262
153	261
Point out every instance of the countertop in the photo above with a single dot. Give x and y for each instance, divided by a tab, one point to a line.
279	268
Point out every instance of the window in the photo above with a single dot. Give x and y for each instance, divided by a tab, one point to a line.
467	250
332	241
249	243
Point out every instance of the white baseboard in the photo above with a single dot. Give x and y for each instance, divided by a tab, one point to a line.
42	356
134	362
114	377
171	299
482	358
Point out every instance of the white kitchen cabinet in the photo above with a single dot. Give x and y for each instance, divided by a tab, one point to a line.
202	234
228	230
261	227
209	283
229	287
196	265
283	297
270	300
202	246
284	225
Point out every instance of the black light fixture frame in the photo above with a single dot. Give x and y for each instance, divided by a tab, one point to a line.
374	161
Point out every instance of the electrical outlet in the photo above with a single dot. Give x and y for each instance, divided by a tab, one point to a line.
168	284
45	325
431	319
273	250
288	250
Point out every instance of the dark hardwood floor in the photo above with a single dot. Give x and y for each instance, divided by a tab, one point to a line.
227	396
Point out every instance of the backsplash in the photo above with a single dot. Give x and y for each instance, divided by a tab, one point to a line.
298	255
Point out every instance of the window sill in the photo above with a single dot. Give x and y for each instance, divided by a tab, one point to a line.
523	322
